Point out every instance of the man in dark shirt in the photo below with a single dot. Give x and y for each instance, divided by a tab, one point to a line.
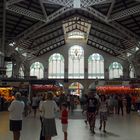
120	104
128	104
2	100
92	109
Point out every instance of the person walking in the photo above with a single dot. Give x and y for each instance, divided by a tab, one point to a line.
64	119
128	104
41	117
35	104
16	110
103	109
92	109
2	101
25	99
48	112
120	104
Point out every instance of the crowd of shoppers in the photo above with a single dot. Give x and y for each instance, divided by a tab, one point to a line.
91	103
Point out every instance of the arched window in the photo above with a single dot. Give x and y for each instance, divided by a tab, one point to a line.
131	71
115	70
95	66
9	68
21	71
76	62
56	66
37	69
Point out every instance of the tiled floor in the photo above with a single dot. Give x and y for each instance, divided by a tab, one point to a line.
119	128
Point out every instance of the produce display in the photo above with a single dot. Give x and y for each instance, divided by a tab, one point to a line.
6	92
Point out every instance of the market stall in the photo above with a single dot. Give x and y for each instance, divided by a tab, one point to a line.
39	88
117	90
6	96
6	93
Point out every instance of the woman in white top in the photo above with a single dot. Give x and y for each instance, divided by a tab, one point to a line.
48	109
16	110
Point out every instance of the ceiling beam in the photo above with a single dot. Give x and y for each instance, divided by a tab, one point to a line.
11	2
110	9
45	30
95	13
107	49
25	12
137	0
48	29
46	38
100	47
49	43
74	29
80	24
83	3
107	29
3	39
40	24
43	9
105	43
102	27
87	3
66	3
125	13
51	48
77	17
106	37
127	33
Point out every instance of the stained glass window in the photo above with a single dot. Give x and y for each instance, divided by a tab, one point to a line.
76	62
56	66
21	71
96	66
9	68
132	71
37	69
115	70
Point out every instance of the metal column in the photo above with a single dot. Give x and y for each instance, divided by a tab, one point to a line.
3	34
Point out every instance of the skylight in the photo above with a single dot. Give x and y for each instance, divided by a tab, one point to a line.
76	28
129	54
24	54
76	35
137	48
12	44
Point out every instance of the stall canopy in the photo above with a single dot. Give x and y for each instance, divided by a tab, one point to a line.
117	90
37	87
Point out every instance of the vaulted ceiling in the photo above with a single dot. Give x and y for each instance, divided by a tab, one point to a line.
37	25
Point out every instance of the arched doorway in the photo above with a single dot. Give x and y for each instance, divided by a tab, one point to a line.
76	88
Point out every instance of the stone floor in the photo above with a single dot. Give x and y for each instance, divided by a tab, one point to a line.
125	127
